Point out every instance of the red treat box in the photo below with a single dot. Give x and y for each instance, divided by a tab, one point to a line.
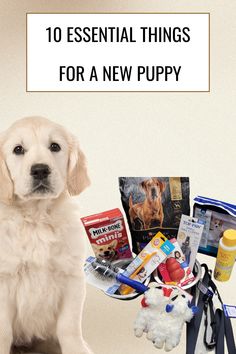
107	234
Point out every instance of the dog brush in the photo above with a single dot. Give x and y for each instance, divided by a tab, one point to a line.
106	271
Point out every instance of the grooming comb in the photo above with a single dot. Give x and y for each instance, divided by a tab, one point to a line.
105	272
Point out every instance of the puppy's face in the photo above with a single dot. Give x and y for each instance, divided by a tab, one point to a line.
154	298
107	251
216	224
38	155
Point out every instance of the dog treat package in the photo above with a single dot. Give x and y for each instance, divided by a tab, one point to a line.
153	204
107	234
217	216
175	269
148	259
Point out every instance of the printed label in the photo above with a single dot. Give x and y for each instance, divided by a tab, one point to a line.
189	236
205	217
97	232
175	188
229	310
167	247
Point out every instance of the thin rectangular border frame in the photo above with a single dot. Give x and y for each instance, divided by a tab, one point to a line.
123	13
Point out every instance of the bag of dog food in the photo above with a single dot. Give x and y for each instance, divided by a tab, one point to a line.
153	204
217	217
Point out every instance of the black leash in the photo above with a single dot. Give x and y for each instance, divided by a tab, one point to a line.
217	326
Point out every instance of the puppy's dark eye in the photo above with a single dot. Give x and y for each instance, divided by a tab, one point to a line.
19	150
54	147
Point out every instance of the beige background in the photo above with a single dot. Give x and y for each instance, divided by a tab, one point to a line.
160	134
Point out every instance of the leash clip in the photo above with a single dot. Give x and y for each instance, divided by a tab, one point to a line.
211	345
210	273
205	290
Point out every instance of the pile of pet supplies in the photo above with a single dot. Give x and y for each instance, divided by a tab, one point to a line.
176	288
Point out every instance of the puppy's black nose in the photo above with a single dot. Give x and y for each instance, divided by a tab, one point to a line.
40	171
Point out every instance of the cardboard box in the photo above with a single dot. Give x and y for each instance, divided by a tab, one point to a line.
107	234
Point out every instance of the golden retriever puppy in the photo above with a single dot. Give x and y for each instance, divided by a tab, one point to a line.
42	286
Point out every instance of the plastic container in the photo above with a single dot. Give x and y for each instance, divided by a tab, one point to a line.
226	256
197	271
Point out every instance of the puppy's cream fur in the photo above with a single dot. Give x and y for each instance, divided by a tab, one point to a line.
42	253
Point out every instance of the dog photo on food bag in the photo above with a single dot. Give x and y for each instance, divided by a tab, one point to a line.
42	253
148	213
153	204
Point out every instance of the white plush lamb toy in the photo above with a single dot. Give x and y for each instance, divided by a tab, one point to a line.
163	313
168	331
153	305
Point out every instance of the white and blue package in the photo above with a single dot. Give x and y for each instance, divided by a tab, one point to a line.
217	216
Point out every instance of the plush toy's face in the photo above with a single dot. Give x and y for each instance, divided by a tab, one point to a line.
155	298
179	306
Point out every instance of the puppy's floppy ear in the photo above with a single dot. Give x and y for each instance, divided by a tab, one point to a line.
95	247
6	184
77	177
143	185
162	186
